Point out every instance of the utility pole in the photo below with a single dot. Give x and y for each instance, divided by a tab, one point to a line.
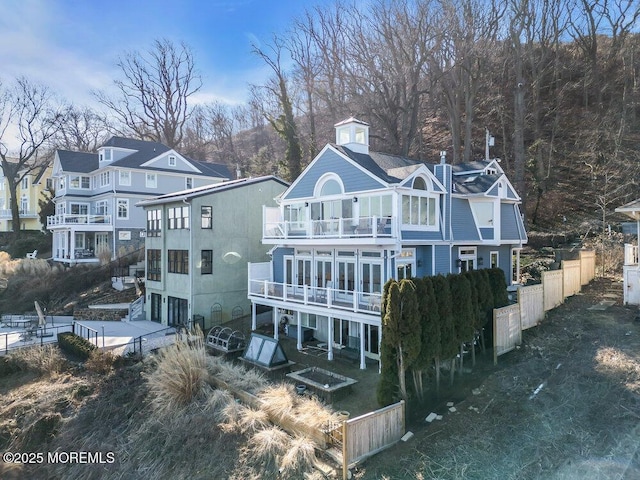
488	142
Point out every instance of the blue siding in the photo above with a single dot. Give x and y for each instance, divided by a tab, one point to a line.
509	222
487	233
418	235
444	174
278	263
511	194
424	258
494	191
353	178
462	223
443	264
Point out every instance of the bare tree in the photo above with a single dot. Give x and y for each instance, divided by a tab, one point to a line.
29	111
154	92
281	119
83	129
468	31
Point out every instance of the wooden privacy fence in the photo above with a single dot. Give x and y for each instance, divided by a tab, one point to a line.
370	433
535	300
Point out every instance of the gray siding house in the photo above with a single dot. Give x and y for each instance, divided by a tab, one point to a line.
354	219
96	195
198	244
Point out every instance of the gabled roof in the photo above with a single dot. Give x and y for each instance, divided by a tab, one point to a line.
389	168
208	189
141	152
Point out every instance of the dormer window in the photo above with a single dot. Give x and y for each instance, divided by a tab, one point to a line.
105	155
491	171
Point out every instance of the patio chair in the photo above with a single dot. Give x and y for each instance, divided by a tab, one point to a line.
33	254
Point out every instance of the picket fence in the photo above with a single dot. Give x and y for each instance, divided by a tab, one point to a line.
535	300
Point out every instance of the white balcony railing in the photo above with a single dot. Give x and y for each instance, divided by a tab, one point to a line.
363	302
362	227
71	219
630	254
6	213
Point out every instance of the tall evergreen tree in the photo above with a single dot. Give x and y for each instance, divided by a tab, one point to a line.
429	332
448	344
462	310
402	324
498	287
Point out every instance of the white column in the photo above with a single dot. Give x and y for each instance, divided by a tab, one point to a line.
274	320
254	319
330	338
363	364
299	327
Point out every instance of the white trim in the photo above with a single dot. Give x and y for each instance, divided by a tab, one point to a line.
344	157
166	154
425	173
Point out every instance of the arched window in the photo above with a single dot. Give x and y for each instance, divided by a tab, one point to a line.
419	184
330	187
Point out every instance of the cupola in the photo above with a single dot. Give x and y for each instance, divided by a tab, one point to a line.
353	134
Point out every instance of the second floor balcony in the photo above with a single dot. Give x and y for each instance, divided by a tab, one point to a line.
75	219
327	297
5	213
333	228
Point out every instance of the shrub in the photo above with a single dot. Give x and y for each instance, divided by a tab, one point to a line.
45	359
100	362
75	345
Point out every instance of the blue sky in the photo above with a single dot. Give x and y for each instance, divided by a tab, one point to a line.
72	45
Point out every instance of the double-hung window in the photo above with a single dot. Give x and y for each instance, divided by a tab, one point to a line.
122	207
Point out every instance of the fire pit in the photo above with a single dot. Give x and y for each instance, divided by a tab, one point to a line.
324	383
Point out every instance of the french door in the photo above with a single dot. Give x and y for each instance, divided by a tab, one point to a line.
346	277
177	311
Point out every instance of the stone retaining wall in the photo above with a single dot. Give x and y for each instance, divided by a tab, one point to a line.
100	314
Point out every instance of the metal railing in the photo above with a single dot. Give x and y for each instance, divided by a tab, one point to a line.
30	338
85	332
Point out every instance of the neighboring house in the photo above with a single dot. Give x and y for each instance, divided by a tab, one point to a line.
354	219
198	243
631	268
29	193
97	193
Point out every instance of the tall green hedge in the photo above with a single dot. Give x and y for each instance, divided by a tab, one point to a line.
75	345
449	309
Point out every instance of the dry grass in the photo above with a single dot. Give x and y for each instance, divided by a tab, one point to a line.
266	446
299	457
249	380
278	400
180	376
252	421
45	360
